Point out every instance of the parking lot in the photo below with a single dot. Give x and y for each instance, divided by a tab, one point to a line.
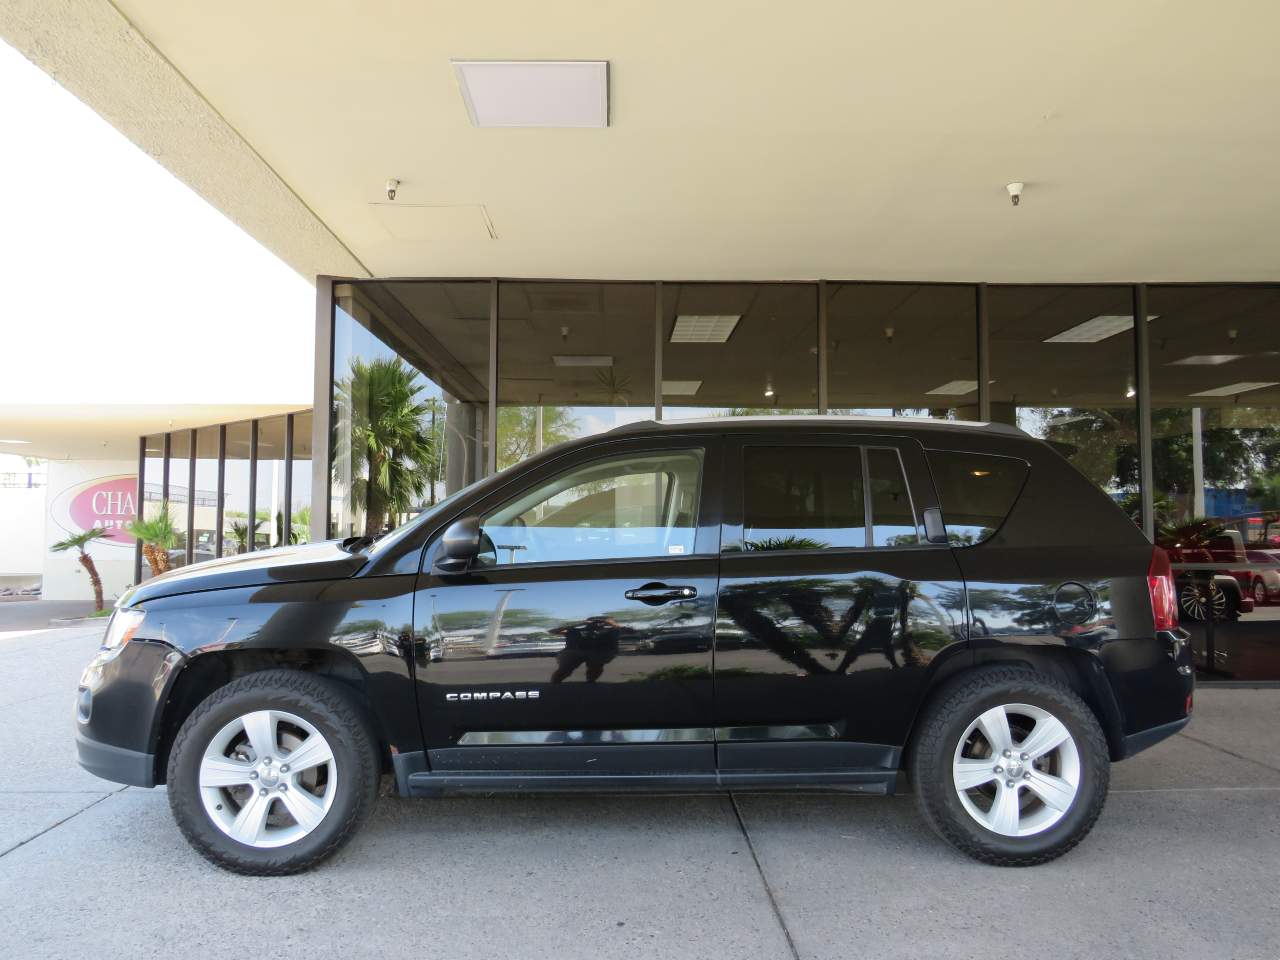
1183	863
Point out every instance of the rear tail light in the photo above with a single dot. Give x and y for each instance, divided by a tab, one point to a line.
1164	599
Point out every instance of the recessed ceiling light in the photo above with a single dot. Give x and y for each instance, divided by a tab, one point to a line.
1205	360
955	388
535	93
562	360
1098	328
700	328
15	441
1231	389
768	391
680	388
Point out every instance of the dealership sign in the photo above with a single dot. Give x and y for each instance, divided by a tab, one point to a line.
106	502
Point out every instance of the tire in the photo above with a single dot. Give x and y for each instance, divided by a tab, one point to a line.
950	743
1259	593
213	758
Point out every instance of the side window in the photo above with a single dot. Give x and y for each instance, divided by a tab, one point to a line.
636	505
892	517
803	498
977	491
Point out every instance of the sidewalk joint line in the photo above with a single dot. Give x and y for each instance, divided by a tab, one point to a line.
1230	753
54	826
773	901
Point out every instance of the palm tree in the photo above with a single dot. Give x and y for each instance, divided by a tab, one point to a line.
158	536
388	450
78	542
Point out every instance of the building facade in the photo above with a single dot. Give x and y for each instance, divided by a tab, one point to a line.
1176	419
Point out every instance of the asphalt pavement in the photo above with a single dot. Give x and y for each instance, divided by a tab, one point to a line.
1185	862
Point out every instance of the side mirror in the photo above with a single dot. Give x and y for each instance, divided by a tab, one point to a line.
935	531
459	546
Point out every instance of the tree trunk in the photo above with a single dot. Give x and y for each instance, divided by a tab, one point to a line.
86	561
157	559
373	505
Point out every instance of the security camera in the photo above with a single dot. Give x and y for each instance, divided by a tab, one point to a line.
1015	191
391	189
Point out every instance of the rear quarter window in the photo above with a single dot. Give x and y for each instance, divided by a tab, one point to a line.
977	491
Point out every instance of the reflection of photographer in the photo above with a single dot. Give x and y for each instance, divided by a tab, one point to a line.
594	642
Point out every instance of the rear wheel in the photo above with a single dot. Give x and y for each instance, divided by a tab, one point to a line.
273	772
1010	767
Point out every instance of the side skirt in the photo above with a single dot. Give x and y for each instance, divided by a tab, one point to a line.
436	784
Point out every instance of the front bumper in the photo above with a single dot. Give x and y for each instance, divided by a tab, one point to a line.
118	708
116	763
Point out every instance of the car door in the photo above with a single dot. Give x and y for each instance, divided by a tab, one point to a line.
833	603
581	641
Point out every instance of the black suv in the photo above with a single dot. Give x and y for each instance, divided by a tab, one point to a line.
820	603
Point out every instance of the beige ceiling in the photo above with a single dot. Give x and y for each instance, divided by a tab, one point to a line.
748	140
109	431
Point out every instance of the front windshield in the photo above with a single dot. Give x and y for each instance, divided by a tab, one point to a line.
394	536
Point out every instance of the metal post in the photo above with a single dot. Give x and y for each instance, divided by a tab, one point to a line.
984	353
138	508
1197	461
491	458
823	389
286	523
658	343
191	498
219	517
1142	382
322	411
251	521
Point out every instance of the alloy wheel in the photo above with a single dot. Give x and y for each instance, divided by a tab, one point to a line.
1203	601
268	778
1016	770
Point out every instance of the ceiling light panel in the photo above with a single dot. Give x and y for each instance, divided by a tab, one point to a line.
954	388
562	360
1231	389
535	93
680	388
700	328
1096	329
1205	360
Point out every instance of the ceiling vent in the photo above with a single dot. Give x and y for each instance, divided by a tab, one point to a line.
699	328
535	93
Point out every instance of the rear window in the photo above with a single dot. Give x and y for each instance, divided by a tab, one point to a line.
977	491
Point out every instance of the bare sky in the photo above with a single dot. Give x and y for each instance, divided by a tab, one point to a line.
121	285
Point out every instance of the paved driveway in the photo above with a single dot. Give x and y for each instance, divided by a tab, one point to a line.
1185	862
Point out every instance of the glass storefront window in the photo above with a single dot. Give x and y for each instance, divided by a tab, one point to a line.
235	497
300	489
902	349
205	527
1062	369
573	359
152	488
268	506
410	398
739	348
1215	419
179	492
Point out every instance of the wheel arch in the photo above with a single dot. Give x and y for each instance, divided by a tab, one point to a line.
206	672
1078	669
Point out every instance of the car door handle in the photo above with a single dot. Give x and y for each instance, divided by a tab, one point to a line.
657	593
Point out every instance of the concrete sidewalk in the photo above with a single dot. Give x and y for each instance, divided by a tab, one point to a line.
1183	863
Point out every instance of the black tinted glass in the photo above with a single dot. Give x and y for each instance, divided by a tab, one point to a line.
893	520
977	492
803	498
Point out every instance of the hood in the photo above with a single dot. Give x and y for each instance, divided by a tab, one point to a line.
309	561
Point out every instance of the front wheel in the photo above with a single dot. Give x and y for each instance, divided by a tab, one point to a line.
273	773
1010	767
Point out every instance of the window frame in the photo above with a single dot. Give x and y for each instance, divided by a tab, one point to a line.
915	471
707	528
568	473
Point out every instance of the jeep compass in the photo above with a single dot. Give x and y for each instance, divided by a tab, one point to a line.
827	603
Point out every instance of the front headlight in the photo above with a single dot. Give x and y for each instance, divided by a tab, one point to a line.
124	624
